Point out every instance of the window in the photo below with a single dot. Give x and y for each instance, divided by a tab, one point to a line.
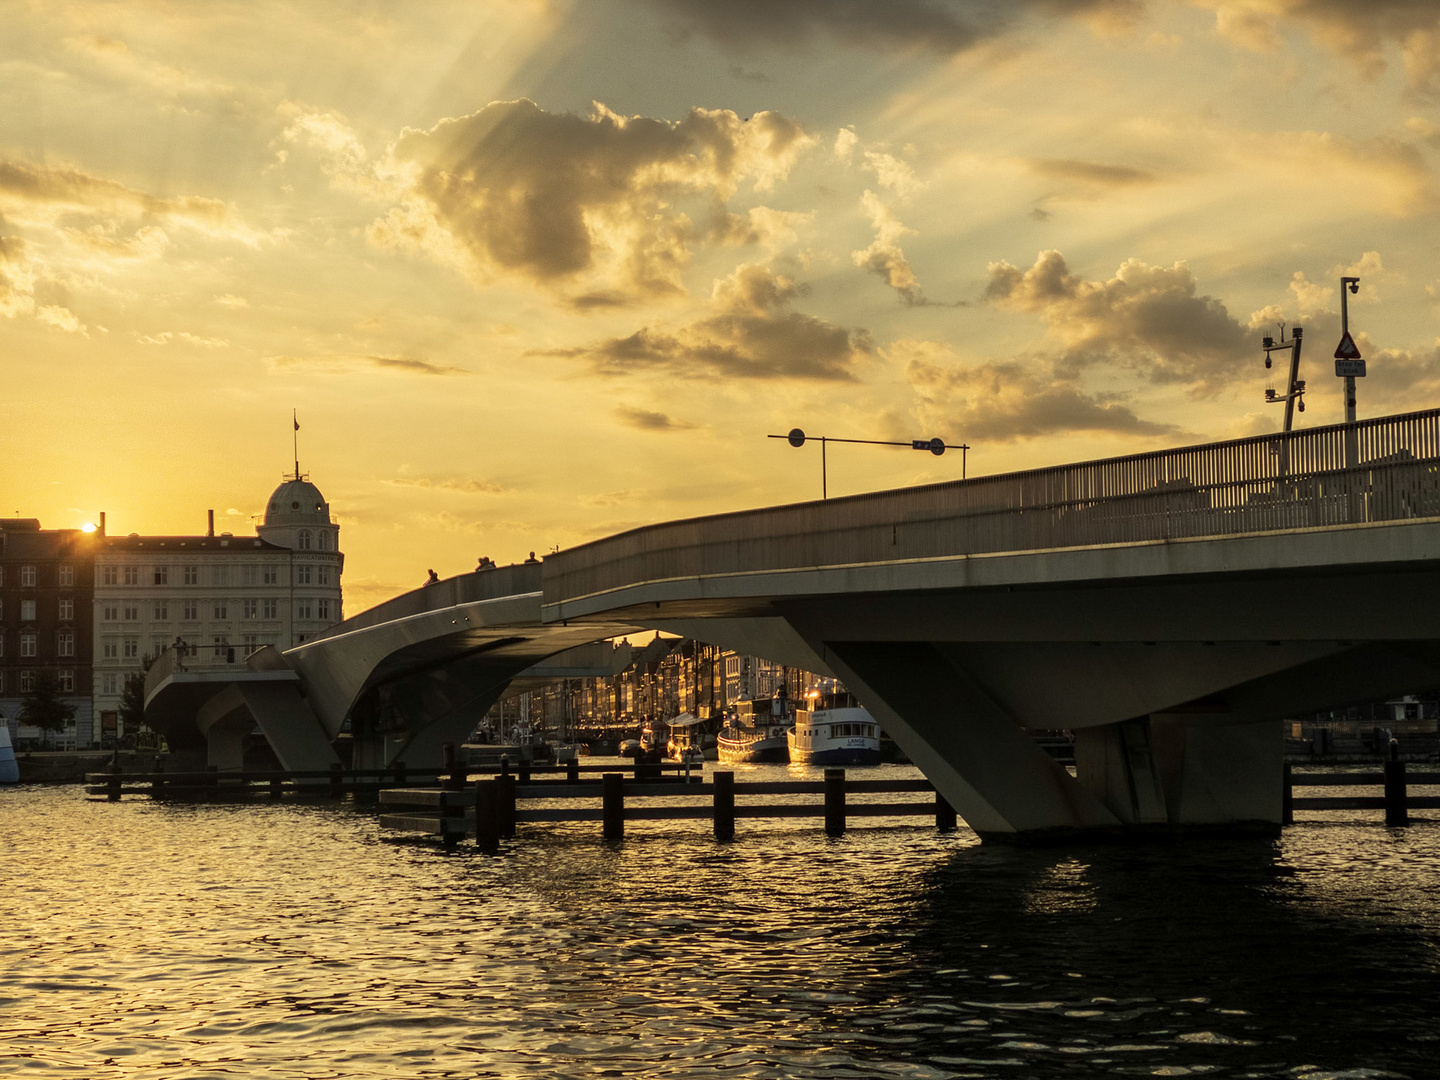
110	575
27	644
303	540
130	648
191	611
218	644
322	609
66	678
218	610
110	612
132	612
249	643
302	609
67	609
157	646
109	683
252	608
218	575
2	608
67	575
249	575
2	643
162	611
268	609
27	681
323	541
27	575
192	575
303	575
162	575
109	649
322	575
132	575
65	643
27	610
271	575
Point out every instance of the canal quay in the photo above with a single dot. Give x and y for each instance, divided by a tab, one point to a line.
181	939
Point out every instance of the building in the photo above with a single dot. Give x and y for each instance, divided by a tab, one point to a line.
220	597
46	578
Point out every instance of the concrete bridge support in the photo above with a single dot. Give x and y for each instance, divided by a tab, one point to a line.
282	715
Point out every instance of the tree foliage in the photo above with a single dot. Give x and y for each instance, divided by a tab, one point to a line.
132	696
44	705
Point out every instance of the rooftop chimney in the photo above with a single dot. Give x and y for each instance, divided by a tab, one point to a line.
102	523
211	530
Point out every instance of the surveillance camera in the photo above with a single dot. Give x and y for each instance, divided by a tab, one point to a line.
1354	287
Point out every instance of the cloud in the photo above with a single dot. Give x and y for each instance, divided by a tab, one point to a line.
165	337
892	173
938	26
1090	174
466	485
230	300
1010	400
339	364
576	203
884	256
1359	32
752	335
650	421
17	276
1145	317
61	318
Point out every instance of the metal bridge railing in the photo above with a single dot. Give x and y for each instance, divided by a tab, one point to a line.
1375	470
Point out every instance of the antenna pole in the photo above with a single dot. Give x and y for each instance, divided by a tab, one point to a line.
295	440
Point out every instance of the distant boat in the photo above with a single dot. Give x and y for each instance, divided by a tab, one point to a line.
756	732
835	730
685	745
9	767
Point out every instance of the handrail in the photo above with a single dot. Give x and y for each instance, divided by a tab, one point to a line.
1383	469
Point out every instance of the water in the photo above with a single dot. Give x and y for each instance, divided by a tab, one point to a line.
299	941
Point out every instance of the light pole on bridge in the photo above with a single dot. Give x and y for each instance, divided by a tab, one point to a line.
936	446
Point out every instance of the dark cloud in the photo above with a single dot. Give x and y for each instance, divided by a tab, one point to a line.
554	197
646	420
753	335
939	26
1091	173
1145	317
1003	402
73	189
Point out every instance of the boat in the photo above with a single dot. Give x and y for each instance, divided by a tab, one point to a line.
630	748
834	730
755	731
686	744
9	767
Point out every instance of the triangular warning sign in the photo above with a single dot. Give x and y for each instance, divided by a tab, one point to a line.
1347	350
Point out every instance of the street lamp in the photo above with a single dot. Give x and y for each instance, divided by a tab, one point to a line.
936	446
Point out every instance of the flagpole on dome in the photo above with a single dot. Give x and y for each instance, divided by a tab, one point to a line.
295	438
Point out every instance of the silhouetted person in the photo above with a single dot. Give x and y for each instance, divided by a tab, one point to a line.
434	578
532	558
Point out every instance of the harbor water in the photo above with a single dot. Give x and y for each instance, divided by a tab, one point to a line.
141	939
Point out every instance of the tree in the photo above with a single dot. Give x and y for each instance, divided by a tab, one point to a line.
44	706
132	697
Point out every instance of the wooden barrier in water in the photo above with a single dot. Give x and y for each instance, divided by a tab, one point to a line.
1395	798
491	809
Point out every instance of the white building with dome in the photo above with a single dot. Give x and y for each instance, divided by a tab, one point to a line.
222	596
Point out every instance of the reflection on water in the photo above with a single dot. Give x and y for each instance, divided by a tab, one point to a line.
292	941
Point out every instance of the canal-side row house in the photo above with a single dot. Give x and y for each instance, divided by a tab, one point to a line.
46	580
220	596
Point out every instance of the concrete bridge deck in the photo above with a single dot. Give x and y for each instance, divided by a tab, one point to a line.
1171	607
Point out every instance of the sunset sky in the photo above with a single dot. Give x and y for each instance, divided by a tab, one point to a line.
534	272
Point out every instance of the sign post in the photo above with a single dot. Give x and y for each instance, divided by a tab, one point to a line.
1349	365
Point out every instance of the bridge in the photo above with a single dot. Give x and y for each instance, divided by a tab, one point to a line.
1170	608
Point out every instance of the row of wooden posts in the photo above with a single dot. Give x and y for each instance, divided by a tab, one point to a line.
1396	799
488	807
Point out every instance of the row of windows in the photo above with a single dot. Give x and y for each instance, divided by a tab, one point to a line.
30	643
30	577
65	677
265	607
65	609
250	574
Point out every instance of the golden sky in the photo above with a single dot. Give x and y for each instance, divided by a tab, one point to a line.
534	271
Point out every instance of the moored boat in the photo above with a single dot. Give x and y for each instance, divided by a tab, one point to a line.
755	732
685	745
834	730
9	767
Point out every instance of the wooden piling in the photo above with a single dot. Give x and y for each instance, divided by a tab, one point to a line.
1287	796
506	812
834	802
1397	810
112	793
277	786
724	793
488	800
524	769
945	817
572	772
612	798
399	767
337	787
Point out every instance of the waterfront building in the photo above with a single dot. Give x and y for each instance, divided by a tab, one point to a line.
45	623
220	597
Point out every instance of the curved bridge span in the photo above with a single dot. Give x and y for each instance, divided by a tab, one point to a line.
1170	608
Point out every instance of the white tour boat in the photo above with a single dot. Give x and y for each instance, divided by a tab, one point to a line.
834	730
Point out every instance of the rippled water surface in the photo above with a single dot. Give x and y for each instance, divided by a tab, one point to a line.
145	940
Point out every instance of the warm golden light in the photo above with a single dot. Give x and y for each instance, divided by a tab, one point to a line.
88	527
